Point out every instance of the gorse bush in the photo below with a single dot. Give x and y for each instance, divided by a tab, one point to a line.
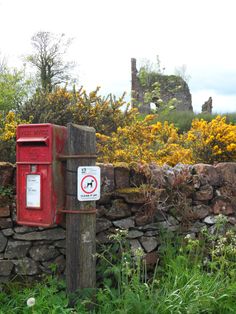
213	141
8	125
122	135
160	142
105	114
144	142
46	107
61	106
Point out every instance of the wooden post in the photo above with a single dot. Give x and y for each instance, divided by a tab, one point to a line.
80	228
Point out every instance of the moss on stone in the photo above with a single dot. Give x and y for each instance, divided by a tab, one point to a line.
121	165
129	190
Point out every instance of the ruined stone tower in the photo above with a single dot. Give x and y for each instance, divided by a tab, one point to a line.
171	87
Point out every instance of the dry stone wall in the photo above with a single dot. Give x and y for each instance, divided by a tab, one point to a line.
145	201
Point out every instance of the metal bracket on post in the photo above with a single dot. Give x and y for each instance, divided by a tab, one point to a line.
89	211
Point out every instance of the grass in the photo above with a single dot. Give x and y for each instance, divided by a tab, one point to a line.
183	119
192	278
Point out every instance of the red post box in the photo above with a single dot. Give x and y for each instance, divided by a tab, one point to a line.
40	174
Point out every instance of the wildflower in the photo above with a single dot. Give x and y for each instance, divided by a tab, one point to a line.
31	302
188	236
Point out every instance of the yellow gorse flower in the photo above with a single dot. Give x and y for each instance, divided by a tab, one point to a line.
159	142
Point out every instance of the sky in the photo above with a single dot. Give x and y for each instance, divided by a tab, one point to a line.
108	33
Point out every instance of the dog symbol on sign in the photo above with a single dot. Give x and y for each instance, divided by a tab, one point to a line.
89	184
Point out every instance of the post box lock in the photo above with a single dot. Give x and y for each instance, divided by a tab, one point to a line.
40	175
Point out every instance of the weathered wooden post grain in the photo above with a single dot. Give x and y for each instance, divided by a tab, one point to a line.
81	227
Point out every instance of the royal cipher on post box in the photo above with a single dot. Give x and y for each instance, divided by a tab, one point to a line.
40	174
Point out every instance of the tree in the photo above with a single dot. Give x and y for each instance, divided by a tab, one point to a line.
14	88
182	72
49	50
3	63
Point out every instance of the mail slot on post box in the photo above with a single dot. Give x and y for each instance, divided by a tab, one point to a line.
40	174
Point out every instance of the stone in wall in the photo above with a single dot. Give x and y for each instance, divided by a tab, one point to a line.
122	176
5	223
133	234
16	249
205	193
3	242
4	211
142	218
119	209
26	267
149	243
135	245
207	174
107	178
6	173
52	234
43	252
59	264
8	232
151	259
227	171
5	268
223	205
126	223
131	195
102	224
107	182
201	211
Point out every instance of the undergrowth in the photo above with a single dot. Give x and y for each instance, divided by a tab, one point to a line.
194	276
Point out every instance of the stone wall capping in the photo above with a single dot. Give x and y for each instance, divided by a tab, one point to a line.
122	175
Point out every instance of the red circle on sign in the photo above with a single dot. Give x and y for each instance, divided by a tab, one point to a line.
90	183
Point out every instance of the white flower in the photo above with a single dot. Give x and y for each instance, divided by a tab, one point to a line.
31	302
188	236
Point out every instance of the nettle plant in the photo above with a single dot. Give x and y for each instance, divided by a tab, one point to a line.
6	191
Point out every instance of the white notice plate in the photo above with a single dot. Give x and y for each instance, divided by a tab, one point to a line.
33	190
88	184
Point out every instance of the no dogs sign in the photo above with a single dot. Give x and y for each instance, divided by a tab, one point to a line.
88	185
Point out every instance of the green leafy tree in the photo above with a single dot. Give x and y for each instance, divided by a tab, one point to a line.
14	88
48	58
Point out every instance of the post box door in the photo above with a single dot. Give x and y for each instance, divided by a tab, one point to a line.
35	199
